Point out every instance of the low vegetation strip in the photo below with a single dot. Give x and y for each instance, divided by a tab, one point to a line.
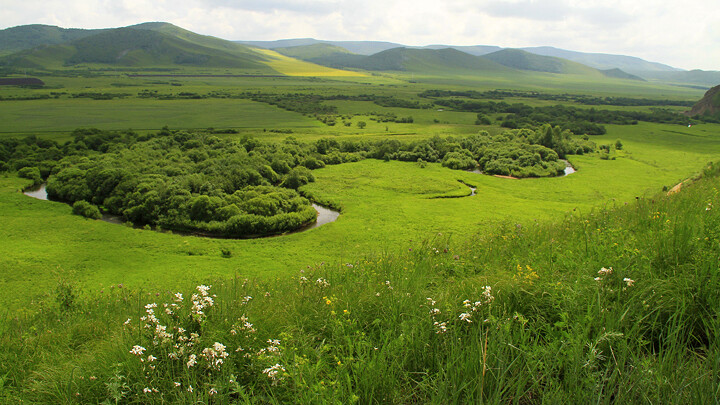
21	81
198	75
582	310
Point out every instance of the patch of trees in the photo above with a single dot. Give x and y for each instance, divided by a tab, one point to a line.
240	188
312	104
517	153
26	97
577	120
391	117
190	182
99	96
576	98
308	104
31	82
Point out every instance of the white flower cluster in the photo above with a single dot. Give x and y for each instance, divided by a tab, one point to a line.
603	272
245	326
440	327
272	349
322	283
200	302
176	347
215	355
273	372
138	350
486	299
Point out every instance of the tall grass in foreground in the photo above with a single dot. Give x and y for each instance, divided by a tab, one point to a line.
619	305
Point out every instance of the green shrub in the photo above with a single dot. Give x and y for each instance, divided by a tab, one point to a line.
87	210
32	173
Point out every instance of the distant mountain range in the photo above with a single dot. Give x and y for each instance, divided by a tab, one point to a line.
619	66
163	45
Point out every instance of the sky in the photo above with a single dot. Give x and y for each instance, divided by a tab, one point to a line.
683	34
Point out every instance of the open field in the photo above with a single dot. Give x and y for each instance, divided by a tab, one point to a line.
409	233
384	206
62	116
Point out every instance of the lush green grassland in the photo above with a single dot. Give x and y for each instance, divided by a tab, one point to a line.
552	335
57	117
514	315
38	116
384	205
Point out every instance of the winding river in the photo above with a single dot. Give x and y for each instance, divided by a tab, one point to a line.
325	215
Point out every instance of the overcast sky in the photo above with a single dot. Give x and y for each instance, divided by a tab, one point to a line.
684	34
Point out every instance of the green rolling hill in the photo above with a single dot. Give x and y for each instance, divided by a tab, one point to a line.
159	45
142	47
620	74
426	61
314	51
23	37
522	60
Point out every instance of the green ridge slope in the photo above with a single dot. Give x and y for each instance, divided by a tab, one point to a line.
519	59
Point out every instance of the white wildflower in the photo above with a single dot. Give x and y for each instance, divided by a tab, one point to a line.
465	317
629	281
487	294
272	372
605	272
137	350
192	360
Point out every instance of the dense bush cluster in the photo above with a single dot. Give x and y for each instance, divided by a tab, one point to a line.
200	183
577	120
577	98
191	182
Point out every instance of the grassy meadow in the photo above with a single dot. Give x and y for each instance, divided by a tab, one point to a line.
371	308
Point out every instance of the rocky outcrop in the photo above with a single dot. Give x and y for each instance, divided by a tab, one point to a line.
708	105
